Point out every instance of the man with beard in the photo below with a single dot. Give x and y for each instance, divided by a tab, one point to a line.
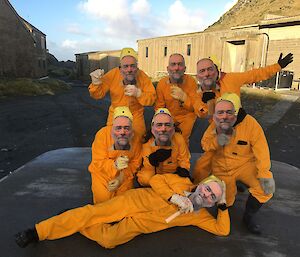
178	92
128	86
165	151
115	157
213	84
238	151
139	211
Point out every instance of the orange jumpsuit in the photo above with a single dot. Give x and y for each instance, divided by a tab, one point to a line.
181	112
233	81
112	81
180	157
245	158
137	211
102	166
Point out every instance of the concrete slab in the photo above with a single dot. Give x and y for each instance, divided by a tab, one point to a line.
59	179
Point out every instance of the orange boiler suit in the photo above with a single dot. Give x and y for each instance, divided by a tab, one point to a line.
233	81
112	81
182	112
102	166
246	158
137	211
180	157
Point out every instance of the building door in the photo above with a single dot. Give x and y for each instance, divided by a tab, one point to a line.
234	56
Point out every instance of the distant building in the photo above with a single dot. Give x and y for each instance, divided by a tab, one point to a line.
237	49
88	62
22	46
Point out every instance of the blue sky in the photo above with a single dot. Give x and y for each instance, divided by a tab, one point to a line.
73	26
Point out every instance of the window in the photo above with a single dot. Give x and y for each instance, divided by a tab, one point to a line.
146	51
188	50
165	51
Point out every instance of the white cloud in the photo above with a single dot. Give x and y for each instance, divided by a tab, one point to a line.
105	9
141	7
182	20
69	44
120	23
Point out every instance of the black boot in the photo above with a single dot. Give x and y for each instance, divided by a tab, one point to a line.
26	237
252	207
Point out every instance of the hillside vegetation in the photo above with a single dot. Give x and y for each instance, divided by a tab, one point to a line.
252	11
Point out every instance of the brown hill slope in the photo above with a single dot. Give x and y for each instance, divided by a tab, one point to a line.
252	11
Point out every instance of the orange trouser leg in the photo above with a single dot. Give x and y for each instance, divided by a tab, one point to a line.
99	188
248	175
202	168
70	222
109	236
186	124
126	185
251	180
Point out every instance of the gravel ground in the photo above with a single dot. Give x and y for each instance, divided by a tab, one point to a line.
31	126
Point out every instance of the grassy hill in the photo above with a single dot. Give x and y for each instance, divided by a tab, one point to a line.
252	11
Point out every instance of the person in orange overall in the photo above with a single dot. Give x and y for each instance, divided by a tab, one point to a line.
238	151
128	86
165	151
178	92
213	83
140	211
115	157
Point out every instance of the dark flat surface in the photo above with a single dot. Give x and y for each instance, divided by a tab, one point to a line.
31	126
59	179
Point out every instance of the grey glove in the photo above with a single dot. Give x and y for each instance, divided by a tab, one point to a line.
268	185
223	139
285	61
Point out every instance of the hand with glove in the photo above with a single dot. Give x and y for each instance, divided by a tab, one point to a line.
222	202
114	184
285	61
182	172
268	185
132	90
208	95
158	156
121	162
184	203
178	94
96	76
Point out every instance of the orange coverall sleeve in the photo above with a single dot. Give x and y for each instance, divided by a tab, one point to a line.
166	185
160	100
260	150
184	155
101	162
219	226
136	158
147	170
209	140
231	82
148	95
99	91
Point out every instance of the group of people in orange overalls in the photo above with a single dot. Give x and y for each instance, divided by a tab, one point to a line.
141	180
